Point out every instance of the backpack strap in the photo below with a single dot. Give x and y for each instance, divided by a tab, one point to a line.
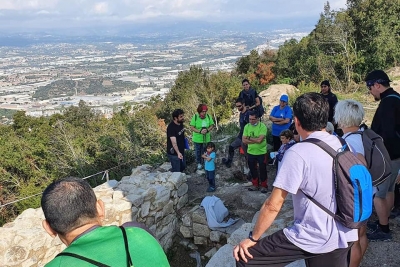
324	146
95	263
128	254
393	96
331	152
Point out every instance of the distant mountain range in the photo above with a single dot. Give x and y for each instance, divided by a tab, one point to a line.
133	32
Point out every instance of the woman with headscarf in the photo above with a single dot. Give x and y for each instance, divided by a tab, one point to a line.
281	117
201	124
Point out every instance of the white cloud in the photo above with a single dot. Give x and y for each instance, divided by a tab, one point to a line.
101	8
143	10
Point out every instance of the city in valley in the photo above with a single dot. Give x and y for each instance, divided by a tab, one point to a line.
43	78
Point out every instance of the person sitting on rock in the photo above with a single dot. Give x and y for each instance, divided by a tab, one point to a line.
73	213
243	120
287	142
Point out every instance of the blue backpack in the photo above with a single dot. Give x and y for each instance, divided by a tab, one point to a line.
353	186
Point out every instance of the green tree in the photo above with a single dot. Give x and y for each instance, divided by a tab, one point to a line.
377	33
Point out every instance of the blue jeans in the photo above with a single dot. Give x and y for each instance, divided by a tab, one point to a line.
200	148
178	165
211	178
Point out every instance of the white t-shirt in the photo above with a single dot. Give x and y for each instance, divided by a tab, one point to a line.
306	167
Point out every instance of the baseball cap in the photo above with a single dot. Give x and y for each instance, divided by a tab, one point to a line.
284	98
377	75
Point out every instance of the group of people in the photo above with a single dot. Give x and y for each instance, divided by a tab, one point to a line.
73	213
315	235
251	137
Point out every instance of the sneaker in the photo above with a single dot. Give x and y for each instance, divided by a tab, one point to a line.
253	188
248	184
264	190
199	167
211	189
379	235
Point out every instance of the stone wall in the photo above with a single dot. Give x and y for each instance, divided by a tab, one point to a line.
194	226
152	198
224	255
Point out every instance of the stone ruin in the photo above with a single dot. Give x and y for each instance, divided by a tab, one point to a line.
157	199
146	197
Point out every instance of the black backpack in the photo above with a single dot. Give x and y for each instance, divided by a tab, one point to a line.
353	186
376	156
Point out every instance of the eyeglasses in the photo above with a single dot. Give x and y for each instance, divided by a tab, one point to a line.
239	106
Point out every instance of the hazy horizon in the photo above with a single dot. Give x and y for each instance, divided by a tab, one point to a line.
21	16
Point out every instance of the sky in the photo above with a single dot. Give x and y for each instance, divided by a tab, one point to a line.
46	14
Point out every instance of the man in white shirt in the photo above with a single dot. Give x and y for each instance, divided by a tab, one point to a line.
314	236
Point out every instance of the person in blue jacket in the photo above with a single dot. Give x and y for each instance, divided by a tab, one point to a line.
281	117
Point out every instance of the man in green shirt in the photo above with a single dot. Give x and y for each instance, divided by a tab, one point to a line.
73	213
254	136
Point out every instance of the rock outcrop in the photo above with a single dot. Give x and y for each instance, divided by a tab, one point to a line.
272	95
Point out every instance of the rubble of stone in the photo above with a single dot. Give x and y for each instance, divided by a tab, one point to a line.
152	198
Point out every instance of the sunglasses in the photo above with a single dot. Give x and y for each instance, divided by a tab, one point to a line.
370	83
239	106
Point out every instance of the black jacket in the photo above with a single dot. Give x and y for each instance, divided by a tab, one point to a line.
386	122
332	100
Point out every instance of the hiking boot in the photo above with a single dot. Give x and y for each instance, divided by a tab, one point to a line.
264	190
210	189
379	235
253	188
199	167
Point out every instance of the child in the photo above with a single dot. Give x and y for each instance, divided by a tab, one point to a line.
287	141
209	165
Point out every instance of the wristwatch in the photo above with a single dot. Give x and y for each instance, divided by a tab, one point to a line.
251	237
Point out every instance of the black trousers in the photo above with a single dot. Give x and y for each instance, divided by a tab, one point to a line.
277	142
277	251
